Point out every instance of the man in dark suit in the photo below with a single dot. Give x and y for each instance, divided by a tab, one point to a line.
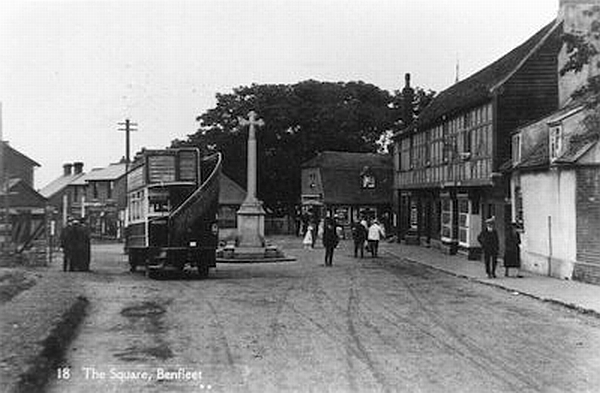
488	238
66	243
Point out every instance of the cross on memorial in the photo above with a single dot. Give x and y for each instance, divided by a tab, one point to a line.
252	122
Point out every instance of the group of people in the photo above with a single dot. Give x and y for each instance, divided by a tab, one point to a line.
75	242
488	238
328	230
367	233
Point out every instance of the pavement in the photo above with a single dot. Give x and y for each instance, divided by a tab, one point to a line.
572	294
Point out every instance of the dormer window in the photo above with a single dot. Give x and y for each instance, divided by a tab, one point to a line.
555	143
516	149
368	181
367	178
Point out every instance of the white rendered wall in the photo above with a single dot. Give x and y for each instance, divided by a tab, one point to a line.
549	248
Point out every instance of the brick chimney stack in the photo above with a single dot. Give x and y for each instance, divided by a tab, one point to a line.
408	96
78	167
67	169
578	17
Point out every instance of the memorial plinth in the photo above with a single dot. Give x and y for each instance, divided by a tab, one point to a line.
251	225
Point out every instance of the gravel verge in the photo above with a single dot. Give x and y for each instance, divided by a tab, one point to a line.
36	326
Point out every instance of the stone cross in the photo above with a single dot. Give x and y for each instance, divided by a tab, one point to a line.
252	122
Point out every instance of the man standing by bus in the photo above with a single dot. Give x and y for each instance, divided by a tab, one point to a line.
66	242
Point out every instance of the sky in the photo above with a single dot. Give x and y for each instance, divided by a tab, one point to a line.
70	71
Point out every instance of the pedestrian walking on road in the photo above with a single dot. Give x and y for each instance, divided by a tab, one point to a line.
375	234
488	238
308	237
330	239
359	235
512	253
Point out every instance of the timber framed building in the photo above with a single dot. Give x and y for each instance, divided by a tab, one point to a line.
447	176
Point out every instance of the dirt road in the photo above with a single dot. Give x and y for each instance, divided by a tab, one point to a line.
362	325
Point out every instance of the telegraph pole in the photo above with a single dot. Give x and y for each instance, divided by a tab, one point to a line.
128	127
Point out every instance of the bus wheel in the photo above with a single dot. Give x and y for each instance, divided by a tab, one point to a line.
203	270
153	273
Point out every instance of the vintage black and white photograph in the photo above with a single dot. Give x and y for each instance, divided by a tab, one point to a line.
300	196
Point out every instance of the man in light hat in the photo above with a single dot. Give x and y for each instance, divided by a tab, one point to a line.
374	235
488	238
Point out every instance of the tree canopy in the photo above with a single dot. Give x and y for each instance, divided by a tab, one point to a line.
582	49
300	120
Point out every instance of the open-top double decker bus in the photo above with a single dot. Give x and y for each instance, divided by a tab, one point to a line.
172	203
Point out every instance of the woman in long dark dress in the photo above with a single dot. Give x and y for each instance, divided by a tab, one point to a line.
512	253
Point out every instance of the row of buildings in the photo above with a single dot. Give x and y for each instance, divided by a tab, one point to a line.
37	216
510	142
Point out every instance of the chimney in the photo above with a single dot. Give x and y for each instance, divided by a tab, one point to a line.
78	167
578	17
67	169
408	95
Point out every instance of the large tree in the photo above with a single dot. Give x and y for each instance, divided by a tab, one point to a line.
582	49
300	121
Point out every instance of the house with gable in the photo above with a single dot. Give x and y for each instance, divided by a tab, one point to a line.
103	198
62	194
447	177
348	185
555	172
20	201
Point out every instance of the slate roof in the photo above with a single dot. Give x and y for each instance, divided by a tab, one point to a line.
22	195
479	87
338	159
343	186
230	192
577	146
18	153
58	185
81	180
539	157
111	172
341	177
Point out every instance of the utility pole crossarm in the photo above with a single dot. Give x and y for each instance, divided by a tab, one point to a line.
128	127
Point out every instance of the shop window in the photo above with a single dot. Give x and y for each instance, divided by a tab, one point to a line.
519	207
342	215
463	221
414	215
447	218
